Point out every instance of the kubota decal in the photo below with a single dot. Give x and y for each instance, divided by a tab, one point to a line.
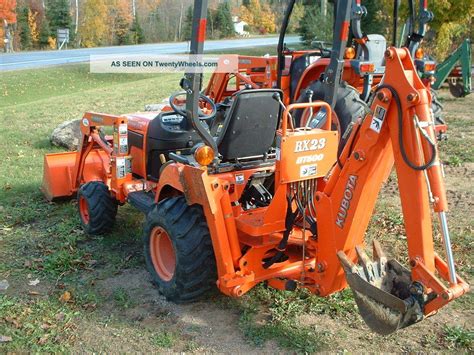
346	201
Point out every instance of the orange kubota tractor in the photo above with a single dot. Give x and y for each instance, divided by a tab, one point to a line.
299	73
249	197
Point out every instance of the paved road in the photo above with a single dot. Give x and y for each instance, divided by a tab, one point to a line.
40	59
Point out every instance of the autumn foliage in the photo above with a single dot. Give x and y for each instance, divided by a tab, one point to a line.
34	23
8	11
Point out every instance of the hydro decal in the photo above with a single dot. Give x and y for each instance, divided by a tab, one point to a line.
346	201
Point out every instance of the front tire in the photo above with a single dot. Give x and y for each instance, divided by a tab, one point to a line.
97	208
178	250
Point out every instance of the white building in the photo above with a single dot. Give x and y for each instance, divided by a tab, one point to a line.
239	27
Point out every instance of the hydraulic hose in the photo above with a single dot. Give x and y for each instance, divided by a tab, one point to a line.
400	134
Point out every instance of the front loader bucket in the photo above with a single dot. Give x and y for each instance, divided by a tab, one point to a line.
59	168
57	175
386	297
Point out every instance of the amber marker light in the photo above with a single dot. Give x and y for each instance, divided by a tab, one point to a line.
349	53
204	155
419	54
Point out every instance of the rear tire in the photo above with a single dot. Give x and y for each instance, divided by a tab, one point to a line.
97	208
174	227
349	107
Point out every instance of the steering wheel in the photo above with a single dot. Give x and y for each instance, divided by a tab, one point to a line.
180	108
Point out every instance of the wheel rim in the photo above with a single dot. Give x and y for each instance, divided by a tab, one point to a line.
84	210
162	253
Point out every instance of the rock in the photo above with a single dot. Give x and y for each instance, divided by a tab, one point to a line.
4	285
5	339
154	107
67	134
157	107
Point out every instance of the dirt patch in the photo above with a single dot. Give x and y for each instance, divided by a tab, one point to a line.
353	335
206	325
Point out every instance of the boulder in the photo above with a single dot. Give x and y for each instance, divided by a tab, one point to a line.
67	134
157	107
154	107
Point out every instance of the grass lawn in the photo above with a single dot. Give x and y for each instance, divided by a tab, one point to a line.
72	292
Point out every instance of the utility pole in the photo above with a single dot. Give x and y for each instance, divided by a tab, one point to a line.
180	20
77	16
324	7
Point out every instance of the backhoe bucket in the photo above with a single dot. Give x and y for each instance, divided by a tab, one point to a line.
386	297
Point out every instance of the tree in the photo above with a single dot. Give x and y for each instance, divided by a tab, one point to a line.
296	18
119	21
188	24
44	34
136	32
8	11
259	17
453	21
33	25
93	29
316	26
223	20
59	16
24	28
376	19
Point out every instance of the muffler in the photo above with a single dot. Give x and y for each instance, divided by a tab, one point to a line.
387	298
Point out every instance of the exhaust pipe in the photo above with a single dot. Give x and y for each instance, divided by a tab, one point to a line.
387	298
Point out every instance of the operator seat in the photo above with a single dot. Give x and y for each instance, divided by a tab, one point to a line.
376	45
250	124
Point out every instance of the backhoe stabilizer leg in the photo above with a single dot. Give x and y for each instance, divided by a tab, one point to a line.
387	298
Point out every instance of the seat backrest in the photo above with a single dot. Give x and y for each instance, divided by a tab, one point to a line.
377	45
250	124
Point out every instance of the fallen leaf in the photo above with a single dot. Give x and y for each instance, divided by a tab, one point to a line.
65	297
5	339
33	293
4	285
43	339
33	282
90	306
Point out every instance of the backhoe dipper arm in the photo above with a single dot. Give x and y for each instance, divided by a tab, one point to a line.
399	131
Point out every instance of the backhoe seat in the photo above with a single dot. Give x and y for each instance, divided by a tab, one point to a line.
250	124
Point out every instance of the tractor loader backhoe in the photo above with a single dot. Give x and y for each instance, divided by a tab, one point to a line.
459	78
249	197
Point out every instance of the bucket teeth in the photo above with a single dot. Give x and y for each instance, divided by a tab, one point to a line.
381	290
